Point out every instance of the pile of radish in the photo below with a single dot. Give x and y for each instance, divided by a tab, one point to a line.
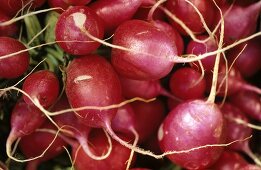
130	84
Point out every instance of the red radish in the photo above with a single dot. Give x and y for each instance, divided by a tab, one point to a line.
248	66
116	160
235	82
64	4
16	65
124	120
140	169
73	27
185	12
152	112
229	160
235	30
146	59
197	48
25	119
11	7
74	128
146	89
47	89
58	3
234	130
251	167
193	124
237	131
9	30
242	2
142	14
36	143
248	102
91	81
172	33
186	83
115	12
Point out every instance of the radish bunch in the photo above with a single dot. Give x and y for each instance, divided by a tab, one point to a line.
130	84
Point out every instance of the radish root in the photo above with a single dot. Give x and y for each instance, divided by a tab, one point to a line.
160	156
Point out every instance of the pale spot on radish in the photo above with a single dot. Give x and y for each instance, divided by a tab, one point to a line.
82	78
79	19
160	133
218	132
144	32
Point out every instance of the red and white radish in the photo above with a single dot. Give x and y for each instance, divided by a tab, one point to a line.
73	27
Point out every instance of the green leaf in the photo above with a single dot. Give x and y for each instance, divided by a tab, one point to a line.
33	29
51	20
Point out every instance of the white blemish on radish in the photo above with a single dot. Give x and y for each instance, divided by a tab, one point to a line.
79	19
82	78
144	32
160	133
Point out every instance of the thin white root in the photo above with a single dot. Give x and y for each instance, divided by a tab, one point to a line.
160	156
38	34
242	122
136	135
201	19
13	20
252	155
36	157
101	107
86	148
70	157
213	90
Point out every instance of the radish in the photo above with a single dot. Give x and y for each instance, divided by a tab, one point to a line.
64	4
248	66
116	160
73	27
124	121
235	82
186	83
36	143
11	7
234	30
143	11
16	65
73	128
92	81
229	160
238	131
198	48
185	12
251	167
114	12
153	112
25	119
47	89
172	33
147	89
9	30
248	102
193	124
146	60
